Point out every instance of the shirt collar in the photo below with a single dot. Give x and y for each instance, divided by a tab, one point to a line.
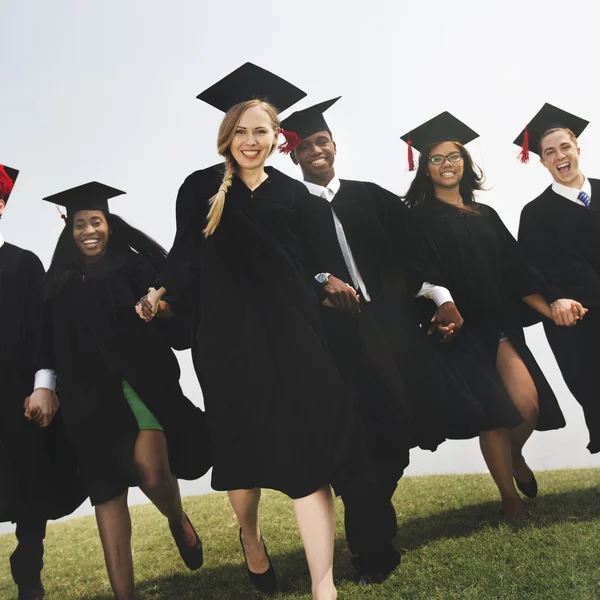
322	191
571	193
1	241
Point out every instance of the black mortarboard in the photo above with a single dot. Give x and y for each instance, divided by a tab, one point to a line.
89	196
8	176
309	120
250	82
443	128
547	118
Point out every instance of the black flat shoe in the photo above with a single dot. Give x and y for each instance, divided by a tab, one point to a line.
35	593
529	489
374	568
266	582
193	556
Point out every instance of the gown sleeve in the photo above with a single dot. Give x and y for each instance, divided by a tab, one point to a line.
304	230
191	213
177	329
408	244
547	253
525	280
38	352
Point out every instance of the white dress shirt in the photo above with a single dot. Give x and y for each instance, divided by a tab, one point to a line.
44	378
571	193
436	293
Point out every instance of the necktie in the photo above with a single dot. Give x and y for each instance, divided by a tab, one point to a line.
585	199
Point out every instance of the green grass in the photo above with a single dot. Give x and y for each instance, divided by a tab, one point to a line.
454	541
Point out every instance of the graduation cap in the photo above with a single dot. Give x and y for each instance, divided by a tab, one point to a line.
547	118
8	176
89	196
442	128
250	82
304	123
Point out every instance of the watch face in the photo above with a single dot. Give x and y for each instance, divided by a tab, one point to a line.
322	277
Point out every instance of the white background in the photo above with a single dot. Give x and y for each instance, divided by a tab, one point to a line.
106	91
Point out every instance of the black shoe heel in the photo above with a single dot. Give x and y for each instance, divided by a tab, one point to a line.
266	582
192	556
528	489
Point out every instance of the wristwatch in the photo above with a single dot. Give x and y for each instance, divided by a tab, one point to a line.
322	278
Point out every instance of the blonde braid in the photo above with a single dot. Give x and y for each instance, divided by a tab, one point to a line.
217	202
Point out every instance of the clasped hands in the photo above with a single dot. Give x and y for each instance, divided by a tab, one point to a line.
41	406
151	305
567	312
343	297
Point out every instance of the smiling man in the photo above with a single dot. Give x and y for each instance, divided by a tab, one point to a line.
363	257
36	481
560	230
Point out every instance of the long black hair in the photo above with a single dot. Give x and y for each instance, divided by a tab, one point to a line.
68	260
422	187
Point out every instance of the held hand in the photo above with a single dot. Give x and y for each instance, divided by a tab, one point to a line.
41	406
566	312
164	310
148	306
341	295
447	321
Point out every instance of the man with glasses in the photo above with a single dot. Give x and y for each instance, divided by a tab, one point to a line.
366	270
560	230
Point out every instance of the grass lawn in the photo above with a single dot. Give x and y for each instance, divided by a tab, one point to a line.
455	545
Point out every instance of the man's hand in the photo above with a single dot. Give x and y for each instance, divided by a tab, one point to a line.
41	406
566	312
447	321
340	295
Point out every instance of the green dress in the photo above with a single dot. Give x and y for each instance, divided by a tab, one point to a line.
144	417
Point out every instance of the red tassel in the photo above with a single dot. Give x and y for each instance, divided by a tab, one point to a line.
524	155
6	184
411	157
292	141
62	214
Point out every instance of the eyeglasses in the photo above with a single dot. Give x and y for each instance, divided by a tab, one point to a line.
440	159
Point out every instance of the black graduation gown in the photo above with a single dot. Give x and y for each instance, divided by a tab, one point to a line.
38	476
99	341
277	409
562	239
407	405
480	262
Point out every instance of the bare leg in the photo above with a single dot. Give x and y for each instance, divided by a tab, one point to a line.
245	506
316	521
521	389
495	447
114	526
158	483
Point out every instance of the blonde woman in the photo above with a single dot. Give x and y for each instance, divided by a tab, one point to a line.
277	409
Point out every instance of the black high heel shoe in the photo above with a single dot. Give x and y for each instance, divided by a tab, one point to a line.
529	489
266	582
193	556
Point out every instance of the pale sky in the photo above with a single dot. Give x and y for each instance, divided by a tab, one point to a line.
106	91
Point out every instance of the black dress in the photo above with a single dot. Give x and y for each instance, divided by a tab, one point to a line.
277	410
480	262
98	342
38	476
562	239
